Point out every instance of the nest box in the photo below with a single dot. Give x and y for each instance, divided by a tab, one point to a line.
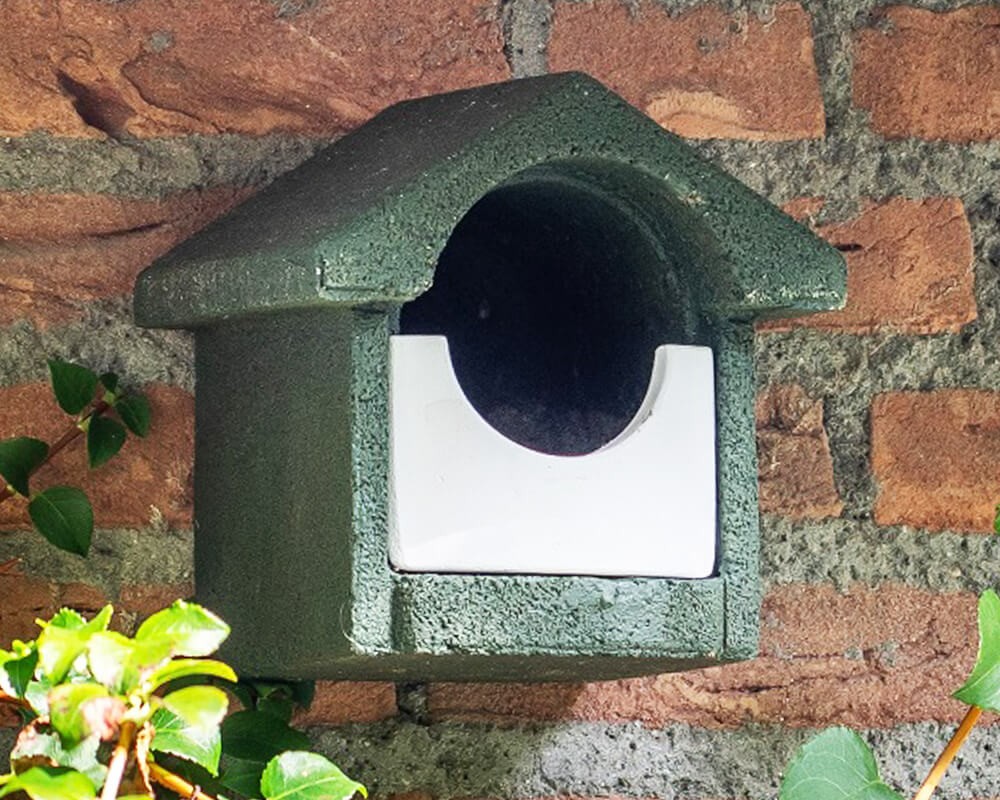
475	394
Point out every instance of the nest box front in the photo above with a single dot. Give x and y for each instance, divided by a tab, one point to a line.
475	394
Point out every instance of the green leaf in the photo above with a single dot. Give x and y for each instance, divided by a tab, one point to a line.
109	381
835	765
201	707
173	735
63	515
51	783
105	438
982	688
108	656
306	776
187	667
258	736
135	413
17	672
20	457
82	757
64	639
189	629
77	710
996	519
73	385
242	777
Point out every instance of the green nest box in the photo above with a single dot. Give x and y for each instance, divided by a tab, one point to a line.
475	394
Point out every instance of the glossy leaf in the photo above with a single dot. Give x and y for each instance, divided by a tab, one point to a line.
108	656
105	438
257	736
306	776
835	765
51	783
173	735
188	667
16	672
242	777
109	381
189	629
982	688
82	757
19	457
74	386
63	515
64	638
135	413
201	707
79	710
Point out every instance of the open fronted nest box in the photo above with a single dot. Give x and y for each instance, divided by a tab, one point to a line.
475	394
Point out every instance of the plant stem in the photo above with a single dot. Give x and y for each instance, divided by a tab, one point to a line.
98	408
119	758
941	765
176	783
10	700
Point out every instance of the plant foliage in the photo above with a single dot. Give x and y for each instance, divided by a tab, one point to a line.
838	764
107	715
62	514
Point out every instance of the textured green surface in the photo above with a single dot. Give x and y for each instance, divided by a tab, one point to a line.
293	298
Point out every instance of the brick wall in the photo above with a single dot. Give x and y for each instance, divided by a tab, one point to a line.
127	126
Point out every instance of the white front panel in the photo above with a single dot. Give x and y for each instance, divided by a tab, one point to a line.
464	498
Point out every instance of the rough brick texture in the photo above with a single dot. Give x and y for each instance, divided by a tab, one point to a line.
341	702
934	75
26	599
934	457
150	473
868	658
703	74
909	268
60	252
793	455
76	68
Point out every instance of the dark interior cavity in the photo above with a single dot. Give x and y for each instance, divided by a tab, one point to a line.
553	296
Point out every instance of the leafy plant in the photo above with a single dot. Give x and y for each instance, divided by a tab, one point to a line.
838	764
145	717
62	514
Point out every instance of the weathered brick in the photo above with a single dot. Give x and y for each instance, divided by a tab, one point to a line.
934	457
154	472
74	68
933	75
909	269
341	702
795	468
704	74
60	252
867	658
25	599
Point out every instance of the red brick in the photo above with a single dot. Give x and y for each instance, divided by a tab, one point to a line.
933	75
154	472
74	68
909	270
341	702
146	599
704	74
795	469
60	252
868	658
934	457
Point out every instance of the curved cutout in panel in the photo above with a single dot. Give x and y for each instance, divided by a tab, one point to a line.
464	498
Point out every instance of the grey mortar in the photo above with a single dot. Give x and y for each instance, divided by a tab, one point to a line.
105	339
152	556
146	167
599	760
525	30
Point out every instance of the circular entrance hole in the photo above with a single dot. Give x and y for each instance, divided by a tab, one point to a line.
553	297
